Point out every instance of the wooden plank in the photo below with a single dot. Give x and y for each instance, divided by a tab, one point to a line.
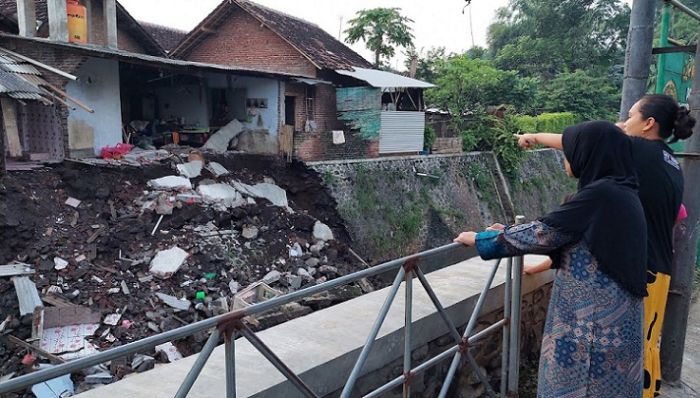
57	301
10	339
9	118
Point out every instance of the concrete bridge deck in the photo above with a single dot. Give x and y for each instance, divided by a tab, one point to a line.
322	347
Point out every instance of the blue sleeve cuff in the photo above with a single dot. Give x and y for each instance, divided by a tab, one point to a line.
488	245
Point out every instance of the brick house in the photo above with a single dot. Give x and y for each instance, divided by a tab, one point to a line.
284	78
243	33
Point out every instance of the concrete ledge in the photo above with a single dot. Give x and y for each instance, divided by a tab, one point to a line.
323	346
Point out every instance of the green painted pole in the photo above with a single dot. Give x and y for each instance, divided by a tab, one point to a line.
663	42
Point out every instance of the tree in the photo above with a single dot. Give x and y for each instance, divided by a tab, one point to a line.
382	29
426	66
561	34
588	97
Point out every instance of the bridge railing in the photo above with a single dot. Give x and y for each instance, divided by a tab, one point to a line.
231	324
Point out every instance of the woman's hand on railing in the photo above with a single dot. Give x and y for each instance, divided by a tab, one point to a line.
466	238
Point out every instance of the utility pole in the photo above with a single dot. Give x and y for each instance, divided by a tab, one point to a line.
683	272
640	39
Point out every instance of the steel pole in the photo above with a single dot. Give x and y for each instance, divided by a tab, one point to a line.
684	262
516	302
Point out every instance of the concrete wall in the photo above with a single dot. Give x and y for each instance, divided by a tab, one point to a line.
391	211
98	87
255	88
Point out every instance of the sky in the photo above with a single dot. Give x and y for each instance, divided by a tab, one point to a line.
437	23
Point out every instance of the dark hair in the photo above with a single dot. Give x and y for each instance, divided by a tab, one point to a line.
672	118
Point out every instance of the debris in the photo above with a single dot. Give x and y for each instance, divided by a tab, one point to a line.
317	247
16	269
303	273
328	269
69	339
59	263
160	219
217	169
200	295
219	142
125	288
170	351
27	295
112	319
73	202
276	195
167	262
115	152
174	183
174	302
189	197
103	377
72	315
164	205
295	250
80	258
322	232
272	277
59	387
233	286
28	359
126	324
9	339
312	262
191	169
255	293
294	281
250	232
221	193
142	363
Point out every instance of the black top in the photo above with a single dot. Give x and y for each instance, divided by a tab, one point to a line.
661	192
606	212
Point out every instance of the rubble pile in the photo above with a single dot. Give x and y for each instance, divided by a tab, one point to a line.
98	256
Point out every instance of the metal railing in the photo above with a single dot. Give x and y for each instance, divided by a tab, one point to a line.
231	324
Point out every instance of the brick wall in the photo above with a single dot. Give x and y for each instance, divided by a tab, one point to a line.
59	58
242	41
318	145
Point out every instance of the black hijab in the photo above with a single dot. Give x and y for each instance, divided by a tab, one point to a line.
605	212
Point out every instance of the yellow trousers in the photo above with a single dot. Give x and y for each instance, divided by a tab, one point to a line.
654	310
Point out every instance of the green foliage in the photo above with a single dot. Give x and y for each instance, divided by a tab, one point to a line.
589	97
545	37
483	132
382	29
466	84
426	65
545	123
429	137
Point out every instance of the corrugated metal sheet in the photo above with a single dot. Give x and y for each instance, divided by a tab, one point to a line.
27	295
382	79
401	132
12	82
19	68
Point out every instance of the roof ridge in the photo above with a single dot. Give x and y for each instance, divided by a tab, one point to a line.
157	25
254	4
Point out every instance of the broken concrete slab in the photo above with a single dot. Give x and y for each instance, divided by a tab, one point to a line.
167	262
18	269
27	295
173	183
174	302
73	202
250	232
73	315
258	142
221	193
191	169
272	277
59	263
219	142
217	169
170	351
322	232
276	195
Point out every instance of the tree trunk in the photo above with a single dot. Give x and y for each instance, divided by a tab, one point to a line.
638	56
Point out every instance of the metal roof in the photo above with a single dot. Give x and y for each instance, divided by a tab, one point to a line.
382	79
21	80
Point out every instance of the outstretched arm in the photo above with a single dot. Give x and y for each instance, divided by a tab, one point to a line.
550	140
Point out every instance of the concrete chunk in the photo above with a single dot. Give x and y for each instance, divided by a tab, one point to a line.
219	142
271	192
191	169
322	232
174	183
168	262
180	305
16	269
217	169
221	193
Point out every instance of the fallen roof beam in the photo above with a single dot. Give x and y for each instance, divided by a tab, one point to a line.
40	64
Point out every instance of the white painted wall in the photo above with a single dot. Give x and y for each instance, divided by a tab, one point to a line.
97	87
256	88
190	102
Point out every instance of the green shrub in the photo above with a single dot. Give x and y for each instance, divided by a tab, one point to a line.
545	123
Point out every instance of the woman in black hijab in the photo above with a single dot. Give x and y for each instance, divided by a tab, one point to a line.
592	346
